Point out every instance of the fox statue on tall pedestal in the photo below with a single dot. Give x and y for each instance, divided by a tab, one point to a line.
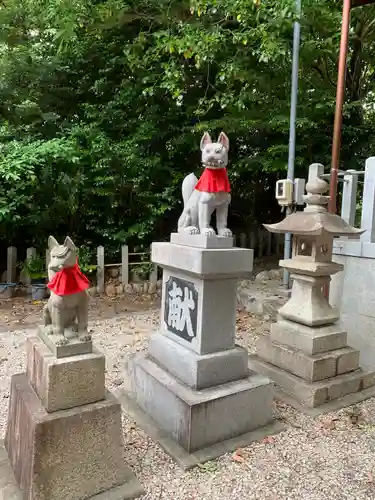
211	192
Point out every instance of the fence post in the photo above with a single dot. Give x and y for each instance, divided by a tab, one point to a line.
153	278
368	205
154	274
100	269
11	264
125	264
349	198
30	255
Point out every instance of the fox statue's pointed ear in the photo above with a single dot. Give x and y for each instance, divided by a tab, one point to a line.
223	139
206	139
69	243
52	243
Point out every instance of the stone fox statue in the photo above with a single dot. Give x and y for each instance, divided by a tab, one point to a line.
67	307
210	193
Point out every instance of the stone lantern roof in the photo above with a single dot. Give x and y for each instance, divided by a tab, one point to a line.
314	220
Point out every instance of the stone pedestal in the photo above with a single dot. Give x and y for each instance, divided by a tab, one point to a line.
306	353
64	433
193	390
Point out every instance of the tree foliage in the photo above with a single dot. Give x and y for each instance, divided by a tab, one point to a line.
102	104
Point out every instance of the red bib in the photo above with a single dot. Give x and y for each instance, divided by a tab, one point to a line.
68	281
214	180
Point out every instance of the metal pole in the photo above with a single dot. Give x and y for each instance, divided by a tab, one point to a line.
292	131
340	96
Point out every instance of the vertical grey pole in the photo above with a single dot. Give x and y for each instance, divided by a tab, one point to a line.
292	132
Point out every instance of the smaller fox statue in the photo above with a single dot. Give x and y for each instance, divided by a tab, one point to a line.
67	307
210	193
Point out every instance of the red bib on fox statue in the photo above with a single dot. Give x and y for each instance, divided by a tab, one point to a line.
68	281
214	180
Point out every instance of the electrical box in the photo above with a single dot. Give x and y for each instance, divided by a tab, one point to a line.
284	192
299	191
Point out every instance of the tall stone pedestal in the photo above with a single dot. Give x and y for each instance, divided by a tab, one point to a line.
193	391
306	354
64	434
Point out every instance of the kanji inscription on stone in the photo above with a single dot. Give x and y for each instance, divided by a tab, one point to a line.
181	308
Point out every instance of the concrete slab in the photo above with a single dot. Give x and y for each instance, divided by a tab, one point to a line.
198	371
73	454
9	489
201	241
334	405
184	459
74	348
207	263
307	339
352	291
198	419
65	382
309	367
315	394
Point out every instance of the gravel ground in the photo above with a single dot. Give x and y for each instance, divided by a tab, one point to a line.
332	456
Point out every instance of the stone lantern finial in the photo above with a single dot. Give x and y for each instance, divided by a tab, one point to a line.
316	187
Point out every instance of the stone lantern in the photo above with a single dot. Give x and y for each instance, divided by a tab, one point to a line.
306	354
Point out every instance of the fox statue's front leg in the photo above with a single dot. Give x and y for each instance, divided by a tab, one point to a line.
222	219
205	210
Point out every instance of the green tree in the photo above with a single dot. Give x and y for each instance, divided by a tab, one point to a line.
103	104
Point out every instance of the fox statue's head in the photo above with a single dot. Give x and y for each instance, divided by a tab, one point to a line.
215	154
61	256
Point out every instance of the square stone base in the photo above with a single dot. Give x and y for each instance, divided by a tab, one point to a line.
75	346
201	241
195	370
73	454
66	382
183	458
311	340
199	419
9	489
311	368
206	263
313	394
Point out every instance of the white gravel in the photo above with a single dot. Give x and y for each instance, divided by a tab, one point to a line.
329	457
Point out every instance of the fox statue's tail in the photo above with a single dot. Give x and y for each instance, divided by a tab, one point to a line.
188	186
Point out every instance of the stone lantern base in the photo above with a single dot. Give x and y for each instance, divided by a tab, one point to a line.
312	366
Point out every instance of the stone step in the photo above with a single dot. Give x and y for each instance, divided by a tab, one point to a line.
199	419
69	454
195	370
311	340
316	393
311	368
